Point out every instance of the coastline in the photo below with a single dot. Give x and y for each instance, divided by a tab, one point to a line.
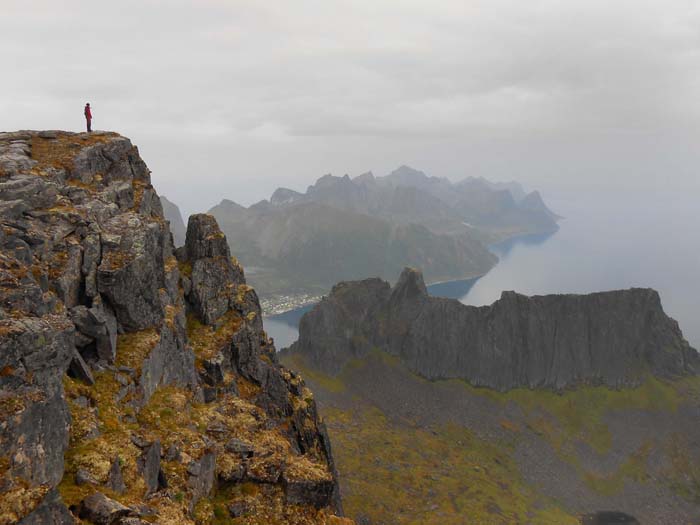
286	303
283	304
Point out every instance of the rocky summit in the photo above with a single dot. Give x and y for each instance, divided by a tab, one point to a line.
137	384
613	338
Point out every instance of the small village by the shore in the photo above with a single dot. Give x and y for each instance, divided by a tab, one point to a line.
280	304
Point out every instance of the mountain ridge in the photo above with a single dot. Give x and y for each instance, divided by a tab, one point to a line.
556	341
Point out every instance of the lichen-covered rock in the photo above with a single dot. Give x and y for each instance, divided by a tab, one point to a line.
110	346
35	354
555	341
131	272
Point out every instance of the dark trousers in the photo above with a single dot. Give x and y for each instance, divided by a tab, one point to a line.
89	124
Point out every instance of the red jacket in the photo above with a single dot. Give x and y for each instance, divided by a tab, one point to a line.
88	114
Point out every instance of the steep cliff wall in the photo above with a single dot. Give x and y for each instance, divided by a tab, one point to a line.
614	338
137	383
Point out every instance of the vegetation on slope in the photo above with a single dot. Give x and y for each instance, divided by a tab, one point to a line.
402	474
394	470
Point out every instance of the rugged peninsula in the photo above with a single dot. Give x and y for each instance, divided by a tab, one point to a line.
346	228
137	384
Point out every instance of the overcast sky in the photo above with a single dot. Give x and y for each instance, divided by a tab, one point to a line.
234	98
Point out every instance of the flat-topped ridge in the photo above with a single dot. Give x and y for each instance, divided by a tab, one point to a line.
615	338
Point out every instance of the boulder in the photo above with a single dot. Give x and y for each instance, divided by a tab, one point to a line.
149	465
318	493
80	369
115	480
97	323
201	476
101	510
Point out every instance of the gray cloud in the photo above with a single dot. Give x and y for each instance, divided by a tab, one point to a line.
233	98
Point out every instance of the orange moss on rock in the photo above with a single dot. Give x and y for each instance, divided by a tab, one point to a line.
60	153
207	340
19	501
134	347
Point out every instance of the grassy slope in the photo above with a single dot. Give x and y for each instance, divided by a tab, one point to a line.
394	471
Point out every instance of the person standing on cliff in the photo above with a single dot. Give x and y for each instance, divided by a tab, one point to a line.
88	117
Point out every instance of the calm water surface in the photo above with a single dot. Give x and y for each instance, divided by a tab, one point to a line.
603	244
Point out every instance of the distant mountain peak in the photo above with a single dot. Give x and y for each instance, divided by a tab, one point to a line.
405	171
410	285
285	196
365	178
533	201
228	203
173	215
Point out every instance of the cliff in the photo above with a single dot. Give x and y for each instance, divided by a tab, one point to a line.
136	382
612	338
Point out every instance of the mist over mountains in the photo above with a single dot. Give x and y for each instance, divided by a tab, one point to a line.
351	228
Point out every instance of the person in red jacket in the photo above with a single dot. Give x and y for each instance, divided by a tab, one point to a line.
88	117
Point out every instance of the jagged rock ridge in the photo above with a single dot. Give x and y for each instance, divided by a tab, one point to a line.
614	338
136	382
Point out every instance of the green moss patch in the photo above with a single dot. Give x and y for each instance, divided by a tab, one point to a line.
407	475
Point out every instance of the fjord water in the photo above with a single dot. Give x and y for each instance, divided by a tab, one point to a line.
605	242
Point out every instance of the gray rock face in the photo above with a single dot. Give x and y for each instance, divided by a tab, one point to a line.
35	353
556	341
98	326
201	477
214	278
204	238
150	466
131	272
298	492
115	481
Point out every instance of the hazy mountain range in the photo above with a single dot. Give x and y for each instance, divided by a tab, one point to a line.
350	228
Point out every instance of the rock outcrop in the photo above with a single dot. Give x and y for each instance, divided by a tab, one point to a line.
613	338
136	381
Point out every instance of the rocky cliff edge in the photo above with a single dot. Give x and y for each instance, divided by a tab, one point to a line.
136	382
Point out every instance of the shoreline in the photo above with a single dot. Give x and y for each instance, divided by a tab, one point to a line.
291	302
